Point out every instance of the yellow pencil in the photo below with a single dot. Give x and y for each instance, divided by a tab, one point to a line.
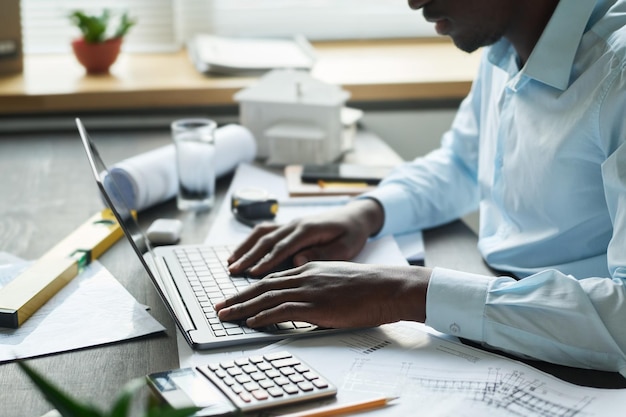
336	409
341	184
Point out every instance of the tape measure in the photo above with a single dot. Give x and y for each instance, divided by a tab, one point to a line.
253	205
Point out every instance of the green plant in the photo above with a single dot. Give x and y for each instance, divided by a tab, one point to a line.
96	29
70	407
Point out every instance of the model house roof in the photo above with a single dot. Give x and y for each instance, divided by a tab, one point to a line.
293	87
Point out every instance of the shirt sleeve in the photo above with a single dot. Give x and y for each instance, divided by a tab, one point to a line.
585	328
551	316
416	195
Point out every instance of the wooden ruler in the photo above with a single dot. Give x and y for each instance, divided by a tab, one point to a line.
32	288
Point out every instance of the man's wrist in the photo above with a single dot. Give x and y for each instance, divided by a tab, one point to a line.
372	214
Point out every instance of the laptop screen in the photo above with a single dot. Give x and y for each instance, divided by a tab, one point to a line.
113	197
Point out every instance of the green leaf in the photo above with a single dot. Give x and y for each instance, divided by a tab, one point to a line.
122	405
125	24
95	29
173	412
65	405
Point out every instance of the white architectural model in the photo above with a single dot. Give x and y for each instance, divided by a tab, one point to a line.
297	119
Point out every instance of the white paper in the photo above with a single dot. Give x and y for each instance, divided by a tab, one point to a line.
92	309
228	53
435	376
227	230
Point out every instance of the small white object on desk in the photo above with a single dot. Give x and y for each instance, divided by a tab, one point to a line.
164	231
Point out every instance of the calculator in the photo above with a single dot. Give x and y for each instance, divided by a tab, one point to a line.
242	385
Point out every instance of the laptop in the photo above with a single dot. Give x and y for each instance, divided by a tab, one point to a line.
188	278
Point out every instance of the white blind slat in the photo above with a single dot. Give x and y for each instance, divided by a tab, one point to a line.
166	24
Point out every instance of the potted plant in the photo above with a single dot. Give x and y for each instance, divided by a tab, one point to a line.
100	44
70	407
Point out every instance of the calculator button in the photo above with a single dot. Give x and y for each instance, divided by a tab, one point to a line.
267	383
310	375
272	373
277	355
264	366
301	368
237	389
320	383
241	361
275	392
260	394
305	386
248	369
290	389
229	381
281	380
285	362
243	379
287	371
245	397
257	376
295	378
251	386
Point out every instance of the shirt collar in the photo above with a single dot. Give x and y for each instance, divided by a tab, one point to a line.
552	58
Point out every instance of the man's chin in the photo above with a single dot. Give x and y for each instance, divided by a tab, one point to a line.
471	45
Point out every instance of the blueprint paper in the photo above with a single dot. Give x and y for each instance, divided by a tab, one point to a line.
439	376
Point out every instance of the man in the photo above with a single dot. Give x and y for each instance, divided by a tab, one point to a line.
539	145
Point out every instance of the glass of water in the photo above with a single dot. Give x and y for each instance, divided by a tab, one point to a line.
195	159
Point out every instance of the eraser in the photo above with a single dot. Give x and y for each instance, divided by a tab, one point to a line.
164	231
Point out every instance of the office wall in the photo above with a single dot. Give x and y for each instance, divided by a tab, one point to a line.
413	133
410	133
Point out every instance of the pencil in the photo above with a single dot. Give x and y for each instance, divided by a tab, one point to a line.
336	409
342	184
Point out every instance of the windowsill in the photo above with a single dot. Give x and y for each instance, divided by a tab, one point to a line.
372	71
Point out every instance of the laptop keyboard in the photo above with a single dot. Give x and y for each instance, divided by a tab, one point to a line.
206	269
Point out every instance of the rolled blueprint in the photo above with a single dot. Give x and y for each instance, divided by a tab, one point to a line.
151	178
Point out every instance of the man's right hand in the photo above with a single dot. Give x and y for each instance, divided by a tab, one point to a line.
336	235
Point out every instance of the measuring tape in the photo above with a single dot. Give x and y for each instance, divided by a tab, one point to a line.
250	206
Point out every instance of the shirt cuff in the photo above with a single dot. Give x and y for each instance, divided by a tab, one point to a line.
396	209
455	303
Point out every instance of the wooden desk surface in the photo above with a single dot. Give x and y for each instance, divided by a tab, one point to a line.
47	191
372	71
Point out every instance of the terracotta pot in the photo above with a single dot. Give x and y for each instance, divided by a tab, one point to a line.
97	58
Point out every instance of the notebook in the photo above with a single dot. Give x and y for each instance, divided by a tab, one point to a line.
189	278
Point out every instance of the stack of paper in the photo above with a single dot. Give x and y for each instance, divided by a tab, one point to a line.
225	55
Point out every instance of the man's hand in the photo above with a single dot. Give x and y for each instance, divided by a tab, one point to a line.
336	235
332	294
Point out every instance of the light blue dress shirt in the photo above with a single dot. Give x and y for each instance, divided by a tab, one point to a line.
541	151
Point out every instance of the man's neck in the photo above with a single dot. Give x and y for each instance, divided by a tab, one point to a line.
529	23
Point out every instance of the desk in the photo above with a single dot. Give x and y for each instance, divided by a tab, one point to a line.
47	191
372	71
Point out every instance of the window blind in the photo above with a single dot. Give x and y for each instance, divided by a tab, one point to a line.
166	24
46	27
319	19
